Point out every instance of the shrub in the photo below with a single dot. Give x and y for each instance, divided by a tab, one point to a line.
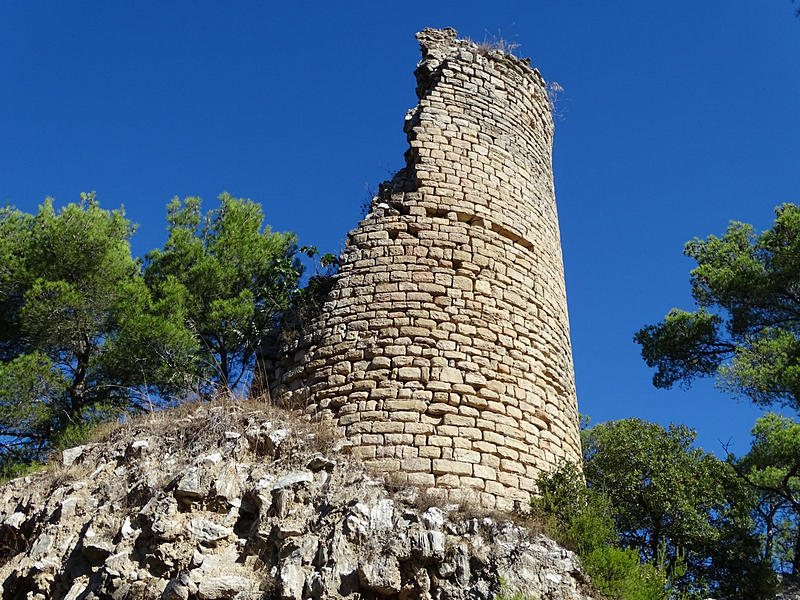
581	519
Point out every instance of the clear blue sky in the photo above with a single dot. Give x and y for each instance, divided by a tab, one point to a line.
678	117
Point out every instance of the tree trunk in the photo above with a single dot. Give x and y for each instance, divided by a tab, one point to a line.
224	369
77	391
768	542
655	542
769	525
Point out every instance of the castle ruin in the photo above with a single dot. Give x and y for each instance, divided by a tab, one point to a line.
442	350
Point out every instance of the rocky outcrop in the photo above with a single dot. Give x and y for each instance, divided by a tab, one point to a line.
223	501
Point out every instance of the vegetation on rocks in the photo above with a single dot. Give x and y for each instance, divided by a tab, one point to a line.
88	332
81	336
211	500
581	519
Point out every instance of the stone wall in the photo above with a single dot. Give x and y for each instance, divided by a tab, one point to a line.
442	350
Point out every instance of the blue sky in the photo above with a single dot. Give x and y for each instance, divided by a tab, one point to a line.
677	117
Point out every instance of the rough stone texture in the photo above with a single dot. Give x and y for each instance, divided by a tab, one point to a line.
443	348
117	527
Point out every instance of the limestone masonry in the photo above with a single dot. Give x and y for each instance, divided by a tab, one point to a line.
442	350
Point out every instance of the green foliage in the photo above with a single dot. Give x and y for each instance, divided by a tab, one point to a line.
73	306
772	468
31	396
306	303
660	486
678	506
746	330
14	229
689	340
506	594
581	518
12	469
619	573
234	279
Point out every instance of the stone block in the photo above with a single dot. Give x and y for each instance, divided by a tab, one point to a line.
421	479
430	452
416	464
441	466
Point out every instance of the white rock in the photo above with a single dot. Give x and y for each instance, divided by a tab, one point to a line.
40	546
127	531
213	458
76	590
70	455
380	517
381	574
433	518
287	529
276	438
68	506
226	586
139	447
15	520
190	485
293	578
355	526
293	479
281	502
209	563
96	551
164	528
206	531
47	565
437	542
116	563
197	558
227	486
175	590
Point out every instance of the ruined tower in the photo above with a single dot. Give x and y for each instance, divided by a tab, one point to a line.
442	350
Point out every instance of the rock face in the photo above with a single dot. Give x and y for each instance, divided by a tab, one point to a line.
208	503
443	350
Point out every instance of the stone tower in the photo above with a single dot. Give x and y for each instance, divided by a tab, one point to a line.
442	350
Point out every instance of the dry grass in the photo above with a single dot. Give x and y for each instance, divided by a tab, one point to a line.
492	42
192	427
555	100
190	421
62	475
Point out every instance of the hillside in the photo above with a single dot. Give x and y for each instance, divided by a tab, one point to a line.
240	500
